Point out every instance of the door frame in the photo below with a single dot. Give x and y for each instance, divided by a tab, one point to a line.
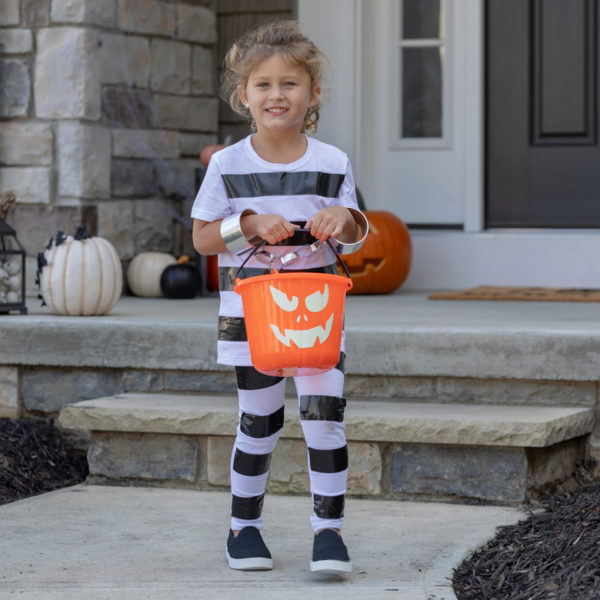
348	54
446	259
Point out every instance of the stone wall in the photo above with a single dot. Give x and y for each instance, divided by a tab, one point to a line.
104	107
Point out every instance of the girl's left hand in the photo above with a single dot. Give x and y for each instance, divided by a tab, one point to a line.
334	221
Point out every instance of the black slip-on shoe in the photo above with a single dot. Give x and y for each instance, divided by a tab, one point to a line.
330	554
247	551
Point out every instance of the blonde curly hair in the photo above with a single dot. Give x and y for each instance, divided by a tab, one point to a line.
279	37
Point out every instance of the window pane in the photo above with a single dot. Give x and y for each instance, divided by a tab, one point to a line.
422	92
421	19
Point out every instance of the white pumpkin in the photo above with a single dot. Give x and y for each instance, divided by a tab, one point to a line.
143	274
80	276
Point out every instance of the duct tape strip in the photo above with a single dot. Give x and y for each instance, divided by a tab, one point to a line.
248	378
283	183
247	508
258	426
322	408
328	507
251	465
328	461
232	329
228	275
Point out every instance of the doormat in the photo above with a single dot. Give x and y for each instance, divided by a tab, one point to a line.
538	294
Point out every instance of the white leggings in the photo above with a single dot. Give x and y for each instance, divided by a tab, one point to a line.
321	410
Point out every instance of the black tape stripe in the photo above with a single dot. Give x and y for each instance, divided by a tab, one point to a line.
328	461
328	269
246	508
322	408
248	378
328	507
251	464
341	366
257	426
228	275
232	329
283	183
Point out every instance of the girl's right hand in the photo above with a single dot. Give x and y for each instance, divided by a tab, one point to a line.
271	228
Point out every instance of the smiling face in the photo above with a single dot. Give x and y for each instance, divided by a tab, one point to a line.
294	321
279	93
302	320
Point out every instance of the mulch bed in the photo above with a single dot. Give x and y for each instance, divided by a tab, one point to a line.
552	555
36	457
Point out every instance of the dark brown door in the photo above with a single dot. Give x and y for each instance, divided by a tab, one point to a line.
542	151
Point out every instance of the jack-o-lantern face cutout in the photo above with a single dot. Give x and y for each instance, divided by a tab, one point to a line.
382	264
294	321
302	313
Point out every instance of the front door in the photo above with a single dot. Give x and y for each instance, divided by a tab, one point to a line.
412	110
406	103
543	154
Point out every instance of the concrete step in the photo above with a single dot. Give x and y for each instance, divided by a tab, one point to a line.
387	335
399	347
397	449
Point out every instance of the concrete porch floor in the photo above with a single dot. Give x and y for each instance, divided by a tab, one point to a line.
400	309
399	334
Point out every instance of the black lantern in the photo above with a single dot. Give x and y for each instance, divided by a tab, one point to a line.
12	271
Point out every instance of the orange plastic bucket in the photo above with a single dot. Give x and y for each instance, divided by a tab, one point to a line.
294	321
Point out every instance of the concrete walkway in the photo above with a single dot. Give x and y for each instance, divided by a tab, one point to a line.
120	543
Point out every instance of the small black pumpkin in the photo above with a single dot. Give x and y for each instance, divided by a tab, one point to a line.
181	280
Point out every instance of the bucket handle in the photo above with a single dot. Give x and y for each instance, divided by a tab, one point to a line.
254	249
250	253
337	254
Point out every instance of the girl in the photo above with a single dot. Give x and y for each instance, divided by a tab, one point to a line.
266	187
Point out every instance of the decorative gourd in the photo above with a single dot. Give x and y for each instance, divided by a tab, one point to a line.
181	280
212	269
383	262
208	151
144	272
212	273
80	275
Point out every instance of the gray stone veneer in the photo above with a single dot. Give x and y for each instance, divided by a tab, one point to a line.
106	106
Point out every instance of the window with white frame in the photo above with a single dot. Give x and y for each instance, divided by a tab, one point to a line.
421	94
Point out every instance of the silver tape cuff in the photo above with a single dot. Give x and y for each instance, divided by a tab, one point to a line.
362	222
231	232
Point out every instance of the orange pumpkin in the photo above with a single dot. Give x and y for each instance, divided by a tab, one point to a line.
383	262
208	151
212	273
212	269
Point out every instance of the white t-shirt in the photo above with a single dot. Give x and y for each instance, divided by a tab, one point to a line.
237	178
